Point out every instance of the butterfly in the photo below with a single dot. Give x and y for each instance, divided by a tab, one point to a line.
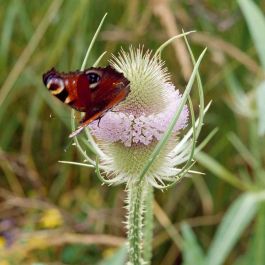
93	91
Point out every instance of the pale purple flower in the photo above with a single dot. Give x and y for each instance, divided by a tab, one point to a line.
130	128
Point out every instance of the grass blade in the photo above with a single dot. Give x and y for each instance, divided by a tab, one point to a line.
192	252
259	238
237	218
256	24
261	108
220	171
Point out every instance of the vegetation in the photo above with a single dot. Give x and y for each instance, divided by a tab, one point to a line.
54	213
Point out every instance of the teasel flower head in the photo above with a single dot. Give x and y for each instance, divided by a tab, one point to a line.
128	136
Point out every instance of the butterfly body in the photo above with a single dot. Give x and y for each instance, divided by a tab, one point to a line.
93	91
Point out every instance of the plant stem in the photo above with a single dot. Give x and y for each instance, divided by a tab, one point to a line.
135	201
148	225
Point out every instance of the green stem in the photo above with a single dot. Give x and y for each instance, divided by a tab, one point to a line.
135	202
148	225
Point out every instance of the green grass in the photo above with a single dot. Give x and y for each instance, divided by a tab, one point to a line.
219	215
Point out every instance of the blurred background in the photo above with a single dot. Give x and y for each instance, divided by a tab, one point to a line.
53	213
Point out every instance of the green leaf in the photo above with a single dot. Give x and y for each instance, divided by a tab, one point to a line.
239	215
8	26
118	258
256	24
260	96
242	149
259	238
255	250
192	252
92	43
219	170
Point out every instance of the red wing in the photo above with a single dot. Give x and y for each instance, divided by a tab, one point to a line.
93	91
88	119
83	92
111	83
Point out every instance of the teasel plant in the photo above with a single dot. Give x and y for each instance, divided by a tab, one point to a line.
139	142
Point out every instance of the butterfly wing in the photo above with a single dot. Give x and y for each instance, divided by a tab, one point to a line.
93	91
111	88
121	95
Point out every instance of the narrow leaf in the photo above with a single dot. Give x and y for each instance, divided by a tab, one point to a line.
256	24
261	107
219	170
259	238
192	252
239	215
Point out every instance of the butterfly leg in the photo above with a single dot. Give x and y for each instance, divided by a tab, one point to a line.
99	119
88	119
84	122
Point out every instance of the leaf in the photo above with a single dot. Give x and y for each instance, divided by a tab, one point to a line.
255	251
239	215
256	24
192	252
118	258
219	170
259	238
260	96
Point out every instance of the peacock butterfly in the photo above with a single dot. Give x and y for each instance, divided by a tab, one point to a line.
93	91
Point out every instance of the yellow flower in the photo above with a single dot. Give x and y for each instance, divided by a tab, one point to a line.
51	218
109	252
2	243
